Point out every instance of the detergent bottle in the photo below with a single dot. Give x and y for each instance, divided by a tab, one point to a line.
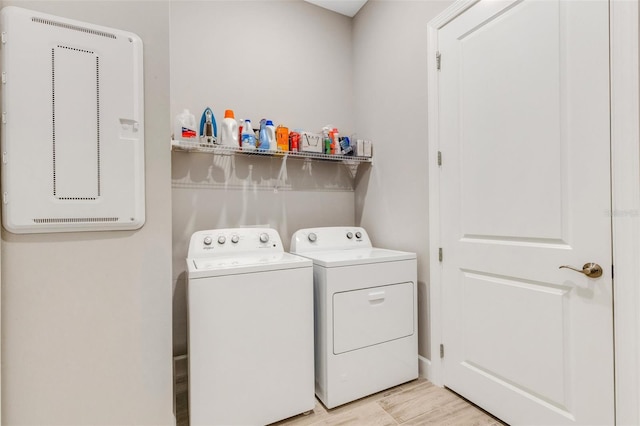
185	127
282	138
263	140
229	131
271	135
248	137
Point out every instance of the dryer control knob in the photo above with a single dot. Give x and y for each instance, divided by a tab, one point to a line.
222	239
312	237
235	239
358	234
264	237
349	235
207	241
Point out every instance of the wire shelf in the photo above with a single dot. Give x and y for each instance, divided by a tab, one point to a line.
229	150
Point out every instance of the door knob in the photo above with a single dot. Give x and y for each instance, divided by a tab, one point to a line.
592	270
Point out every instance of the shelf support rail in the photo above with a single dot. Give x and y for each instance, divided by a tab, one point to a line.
282	174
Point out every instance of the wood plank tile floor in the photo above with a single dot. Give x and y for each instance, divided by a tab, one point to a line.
418	402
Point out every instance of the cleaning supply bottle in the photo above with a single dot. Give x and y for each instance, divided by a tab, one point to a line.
335	142
345	146
294	141
263	137
326	141
185	127
282	138
271	135
208	127
248	137
229	131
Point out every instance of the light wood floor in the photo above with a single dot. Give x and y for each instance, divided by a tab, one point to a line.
415	403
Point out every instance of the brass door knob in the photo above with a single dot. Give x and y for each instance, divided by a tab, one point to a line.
592	270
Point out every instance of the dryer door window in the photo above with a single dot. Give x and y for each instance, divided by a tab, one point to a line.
372	316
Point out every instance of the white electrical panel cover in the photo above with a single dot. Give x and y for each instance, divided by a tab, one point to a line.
72	136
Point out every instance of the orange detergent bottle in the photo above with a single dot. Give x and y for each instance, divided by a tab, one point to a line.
282	138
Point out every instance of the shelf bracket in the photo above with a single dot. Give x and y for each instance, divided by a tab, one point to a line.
352	167
282	174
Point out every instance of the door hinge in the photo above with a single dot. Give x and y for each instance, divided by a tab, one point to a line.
438	60
440	254
611	271
441	350
439	158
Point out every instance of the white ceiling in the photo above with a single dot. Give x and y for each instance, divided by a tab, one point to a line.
344	7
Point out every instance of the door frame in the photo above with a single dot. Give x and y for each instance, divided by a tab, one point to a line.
625	176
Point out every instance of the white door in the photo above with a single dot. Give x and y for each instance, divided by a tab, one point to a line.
525	189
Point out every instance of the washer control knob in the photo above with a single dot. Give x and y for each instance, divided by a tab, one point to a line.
235	239
264	237
207	241
349	235
358	234
222	239
313	237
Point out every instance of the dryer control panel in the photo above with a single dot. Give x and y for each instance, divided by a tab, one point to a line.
230	241
329	238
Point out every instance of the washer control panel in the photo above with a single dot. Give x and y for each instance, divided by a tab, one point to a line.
329	238
224	242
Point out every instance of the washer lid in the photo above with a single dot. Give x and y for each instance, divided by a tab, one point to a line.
335	258
255	262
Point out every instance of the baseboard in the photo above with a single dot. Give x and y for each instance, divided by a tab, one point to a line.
181	370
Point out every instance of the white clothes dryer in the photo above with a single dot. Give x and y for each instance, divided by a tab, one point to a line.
250	328
365	298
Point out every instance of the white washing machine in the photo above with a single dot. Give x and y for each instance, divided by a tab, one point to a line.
250	324
366	336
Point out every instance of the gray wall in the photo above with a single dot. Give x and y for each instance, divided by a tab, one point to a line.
86	317
288	61
390	87
85	334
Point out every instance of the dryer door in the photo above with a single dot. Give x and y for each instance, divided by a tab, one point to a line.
371	316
